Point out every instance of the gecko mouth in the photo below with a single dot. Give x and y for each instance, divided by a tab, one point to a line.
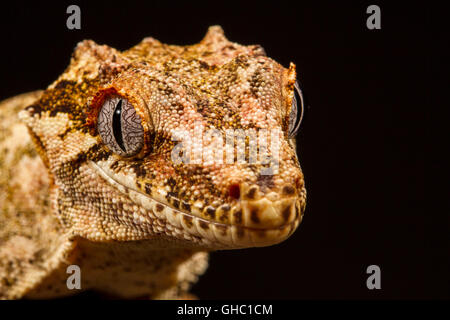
189	227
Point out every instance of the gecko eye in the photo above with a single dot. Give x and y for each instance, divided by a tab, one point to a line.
297	108
120	127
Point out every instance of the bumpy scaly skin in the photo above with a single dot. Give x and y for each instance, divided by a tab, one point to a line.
141	225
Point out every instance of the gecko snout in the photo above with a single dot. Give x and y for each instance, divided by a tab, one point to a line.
267	210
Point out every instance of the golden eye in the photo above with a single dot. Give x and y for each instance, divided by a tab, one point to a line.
297	109
120	127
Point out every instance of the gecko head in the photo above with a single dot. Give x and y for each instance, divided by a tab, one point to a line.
195	144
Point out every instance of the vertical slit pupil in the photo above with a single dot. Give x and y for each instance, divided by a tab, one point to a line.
117	126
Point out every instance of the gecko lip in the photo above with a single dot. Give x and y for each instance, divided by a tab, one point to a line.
207	232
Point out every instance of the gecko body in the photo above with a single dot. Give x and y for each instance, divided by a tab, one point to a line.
88	177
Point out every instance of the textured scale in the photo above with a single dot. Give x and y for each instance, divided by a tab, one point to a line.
136	222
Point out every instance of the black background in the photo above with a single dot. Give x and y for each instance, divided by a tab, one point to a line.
359	147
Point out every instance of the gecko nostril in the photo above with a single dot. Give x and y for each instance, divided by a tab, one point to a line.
234	191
